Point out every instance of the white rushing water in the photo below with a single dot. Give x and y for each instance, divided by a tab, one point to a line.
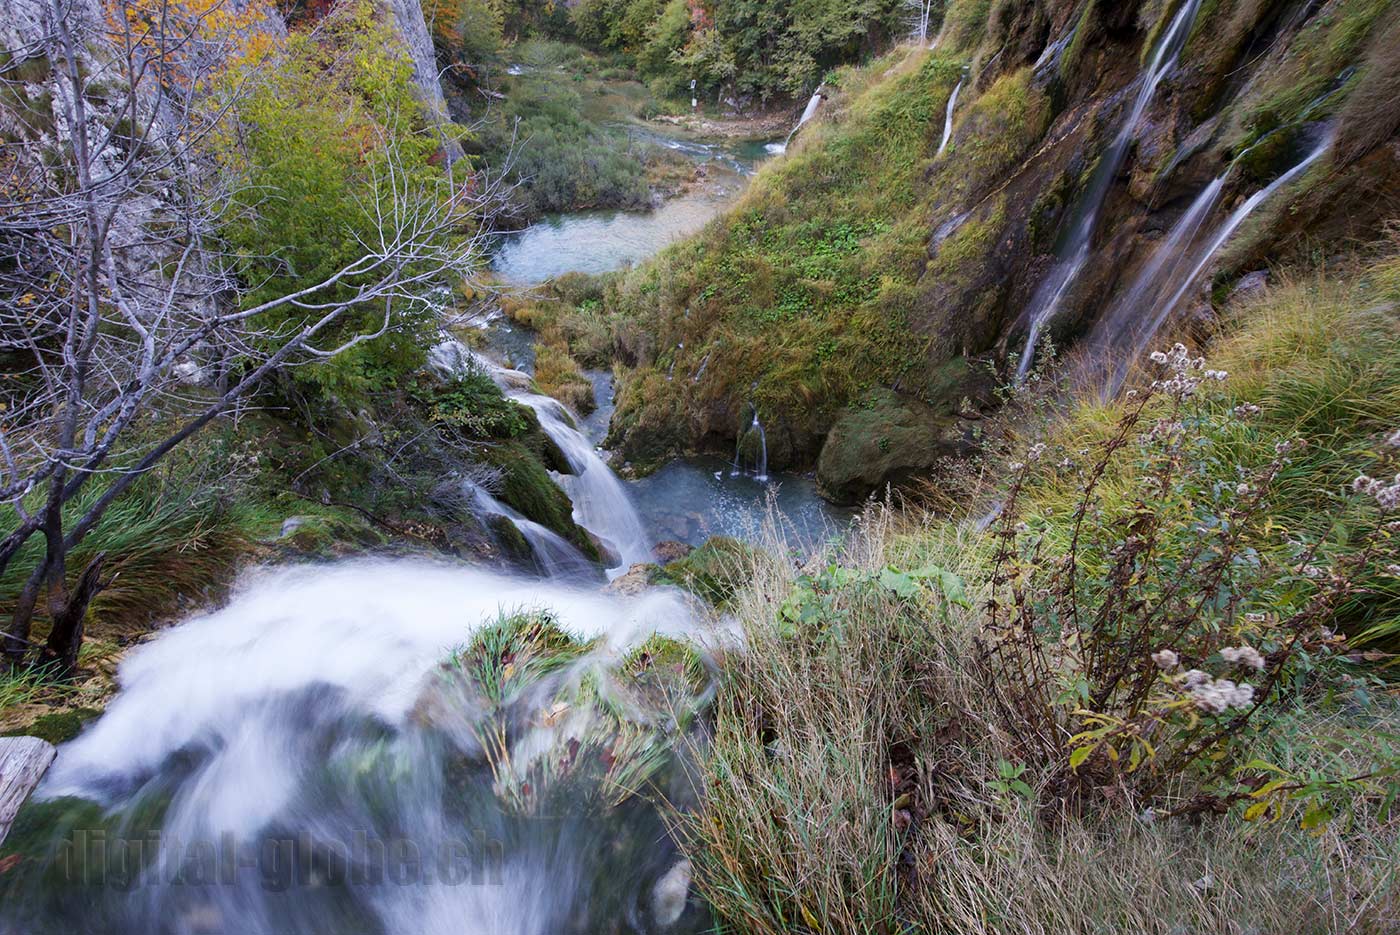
808	113
1174	269
554	556
1076	247
601	502
274	766
948	118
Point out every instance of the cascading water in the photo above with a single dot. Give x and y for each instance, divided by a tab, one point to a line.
313	758
1123	335
808	113
762	466
948	118
554	556
760	454
1075	248
601	502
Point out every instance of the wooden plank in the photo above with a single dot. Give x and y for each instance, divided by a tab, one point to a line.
23	762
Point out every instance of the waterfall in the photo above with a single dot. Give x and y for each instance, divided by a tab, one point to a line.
948	118
601	502
1075	249
1173	270
554	556
1169	264
302	760
808	113
762	473
760	461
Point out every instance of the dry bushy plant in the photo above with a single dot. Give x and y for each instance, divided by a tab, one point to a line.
1138	647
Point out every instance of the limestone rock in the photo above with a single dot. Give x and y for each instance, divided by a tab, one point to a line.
885	439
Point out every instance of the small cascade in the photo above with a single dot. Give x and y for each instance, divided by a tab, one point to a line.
554	556
762	473
1174	269
601	502
1074	249
760	456
948	118
808	113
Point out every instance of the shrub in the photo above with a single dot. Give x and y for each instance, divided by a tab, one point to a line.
1146	639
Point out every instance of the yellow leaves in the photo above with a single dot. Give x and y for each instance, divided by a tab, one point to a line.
809	919
1113	735
171	31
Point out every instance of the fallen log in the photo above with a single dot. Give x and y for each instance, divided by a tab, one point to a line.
23	762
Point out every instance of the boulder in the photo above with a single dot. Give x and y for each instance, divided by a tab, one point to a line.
670	550
885	439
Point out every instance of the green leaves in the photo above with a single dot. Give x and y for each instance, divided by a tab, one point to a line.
824	599
906	584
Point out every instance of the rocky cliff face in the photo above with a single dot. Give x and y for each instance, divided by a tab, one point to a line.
866	269
413	29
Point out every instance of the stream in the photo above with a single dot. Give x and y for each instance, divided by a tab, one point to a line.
317	756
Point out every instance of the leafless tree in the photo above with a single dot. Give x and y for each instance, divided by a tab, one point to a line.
921	19
116	300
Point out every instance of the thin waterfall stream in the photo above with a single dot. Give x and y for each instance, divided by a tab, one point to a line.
948	117
1075	246
1174	269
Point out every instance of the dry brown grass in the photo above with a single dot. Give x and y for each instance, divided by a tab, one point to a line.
1372	112
856	782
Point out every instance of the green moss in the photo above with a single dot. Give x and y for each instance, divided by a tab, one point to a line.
59	727
526	486
714	571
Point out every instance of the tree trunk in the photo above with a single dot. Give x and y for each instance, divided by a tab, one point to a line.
17	635
66	636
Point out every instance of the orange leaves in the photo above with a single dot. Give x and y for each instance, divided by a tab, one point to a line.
193	41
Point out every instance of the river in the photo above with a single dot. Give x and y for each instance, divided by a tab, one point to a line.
413	747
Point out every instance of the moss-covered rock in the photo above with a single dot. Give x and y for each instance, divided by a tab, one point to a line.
58	727
714	571
883	440
526	486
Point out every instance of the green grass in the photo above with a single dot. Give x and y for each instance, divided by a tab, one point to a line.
801	297
863	776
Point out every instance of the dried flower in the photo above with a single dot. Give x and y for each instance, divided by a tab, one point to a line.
1196	677
1166	660
1393	439
1220	695
1243	655
1241	490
